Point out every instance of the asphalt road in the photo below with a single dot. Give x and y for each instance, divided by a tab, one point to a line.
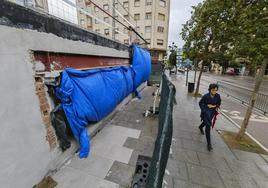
243	81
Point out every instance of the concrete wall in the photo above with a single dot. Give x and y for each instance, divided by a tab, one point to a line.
25	153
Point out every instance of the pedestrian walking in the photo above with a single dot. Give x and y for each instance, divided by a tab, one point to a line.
209	105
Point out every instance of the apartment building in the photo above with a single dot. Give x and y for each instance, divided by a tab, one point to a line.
38	4
148	17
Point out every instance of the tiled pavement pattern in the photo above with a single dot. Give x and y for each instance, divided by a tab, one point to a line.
190	165
114	150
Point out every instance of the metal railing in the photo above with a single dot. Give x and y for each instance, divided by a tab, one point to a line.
243	94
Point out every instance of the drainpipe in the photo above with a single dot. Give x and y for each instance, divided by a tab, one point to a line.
113	30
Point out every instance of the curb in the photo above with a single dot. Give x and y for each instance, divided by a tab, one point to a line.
238	126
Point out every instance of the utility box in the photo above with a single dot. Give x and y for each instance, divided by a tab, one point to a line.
156	73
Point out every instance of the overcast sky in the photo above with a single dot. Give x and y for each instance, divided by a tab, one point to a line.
180	12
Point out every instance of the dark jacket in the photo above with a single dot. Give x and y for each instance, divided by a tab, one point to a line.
208	113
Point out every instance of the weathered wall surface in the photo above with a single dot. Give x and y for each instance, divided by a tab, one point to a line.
25	153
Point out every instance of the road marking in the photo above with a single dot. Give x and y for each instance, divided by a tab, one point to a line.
238	126
251	119
234	112
254	118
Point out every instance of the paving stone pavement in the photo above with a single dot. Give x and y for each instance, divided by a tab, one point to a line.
115	149
190	165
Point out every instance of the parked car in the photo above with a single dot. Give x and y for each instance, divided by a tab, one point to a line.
232	71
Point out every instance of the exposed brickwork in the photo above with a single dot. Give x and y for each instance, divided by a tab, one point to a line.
45	109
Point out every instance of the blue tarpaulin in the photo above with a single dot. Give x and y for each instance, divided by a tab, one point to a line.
141	65
88	96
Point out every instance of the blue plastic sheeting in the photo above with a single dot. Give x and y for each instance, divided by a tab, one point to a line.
88	96
141	65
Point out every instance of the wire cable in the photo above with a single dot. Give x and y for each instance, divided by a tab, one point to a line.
91	15
128	27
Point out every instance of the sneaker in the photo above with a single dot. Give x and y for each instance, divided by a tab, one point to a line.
210	148
201	131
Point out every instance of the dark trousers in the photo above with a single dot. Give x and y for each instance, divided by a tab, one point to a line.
207	130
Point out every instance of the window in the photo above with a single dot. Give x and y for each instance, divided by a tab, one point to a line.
106	31
138	29
97	30
161	17
136	17
137	41
160	42
125	4
106	7
82	21
126	17
106	19
160	29
148	29
136	3
116	5
162	3
160	56
148	16
116	30
96	9
125	30
148	40
126	41
149	2
89	21
96	21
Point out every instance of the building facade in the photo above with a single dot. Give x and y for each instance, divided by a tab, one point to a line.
150	18
38	4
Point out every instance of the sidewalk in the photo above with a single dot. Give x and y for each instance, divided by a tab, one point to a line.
114	150
191	165
236	111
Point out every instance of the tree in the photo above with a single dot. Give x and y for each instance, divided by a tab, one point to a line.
202	34
172	59
195	37
226	30
252	42
173	54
